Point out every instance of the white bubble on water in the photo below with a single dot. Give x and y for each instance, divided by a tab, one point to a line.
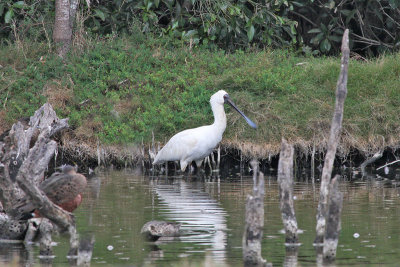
356	235
109	247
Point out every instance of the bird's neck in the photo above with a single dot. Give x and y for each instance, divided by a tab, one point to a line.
219	117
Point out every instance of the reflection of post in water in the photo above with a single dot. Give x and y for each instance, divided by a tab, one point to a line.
85	251
15	254
253	230
291	256
94	185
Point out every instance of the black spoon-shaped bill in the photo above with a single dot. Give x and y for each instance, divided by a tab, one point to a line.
230	102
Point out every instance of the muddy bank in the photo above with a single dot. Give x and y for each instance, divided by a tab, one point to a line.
90	154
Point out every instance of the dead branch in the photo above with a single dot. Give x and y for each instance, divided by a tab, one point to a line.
336	126
371	160
388	164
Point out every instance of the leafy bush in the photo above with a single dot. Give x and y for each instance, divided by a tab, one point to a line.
225	23
315	26
374	24
26	19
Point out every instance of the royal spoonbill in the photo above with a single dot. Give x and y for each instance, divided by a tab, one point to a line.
62	188
196	144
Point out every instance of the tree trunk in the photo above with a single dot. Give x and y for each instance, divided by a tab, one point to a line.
72	13
62	33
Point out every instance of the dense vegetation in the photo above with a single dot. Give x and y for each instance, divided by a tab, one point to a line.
121	89
309	26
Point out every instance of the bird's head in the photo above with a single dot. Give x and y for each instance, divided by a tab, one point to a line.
68	168
221	97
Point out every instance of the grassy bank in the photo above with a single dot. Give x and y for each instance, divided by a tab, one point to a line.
119	91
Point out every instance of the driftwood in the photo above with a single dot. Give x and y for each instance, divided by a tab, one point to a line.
12	229
285	181
25	154
336	126
253	231
333	220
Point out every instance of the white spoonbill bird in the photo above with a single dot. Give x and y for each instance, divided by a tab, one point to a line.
196	144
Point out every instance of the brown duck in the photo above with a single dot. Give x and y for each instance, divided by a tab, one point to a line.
63	188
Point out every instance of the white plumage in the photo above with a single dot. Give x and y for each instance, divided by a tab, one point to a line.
196	144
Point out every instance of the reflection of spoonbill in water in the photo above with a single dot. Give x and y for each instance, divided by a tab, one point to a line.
196	144
203	219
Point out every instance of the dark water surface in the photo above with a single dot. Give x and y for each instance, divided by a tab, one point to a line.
117	204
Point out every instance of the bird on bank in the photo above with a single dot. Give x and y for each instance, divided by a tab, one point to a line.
62	188
196	144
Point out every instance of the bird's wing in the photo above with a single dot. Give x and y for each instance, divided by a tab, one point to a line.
22	209
50	180
180	145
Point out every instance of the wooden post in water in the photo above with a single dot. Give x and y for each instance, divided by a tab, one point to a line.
253	230
285	181
332	220
336	126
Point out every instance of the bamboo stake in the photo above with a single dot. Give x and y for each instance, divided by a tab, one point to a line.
341	92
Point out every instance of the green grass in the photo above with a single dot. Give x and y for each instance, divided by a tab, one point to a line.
121	90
